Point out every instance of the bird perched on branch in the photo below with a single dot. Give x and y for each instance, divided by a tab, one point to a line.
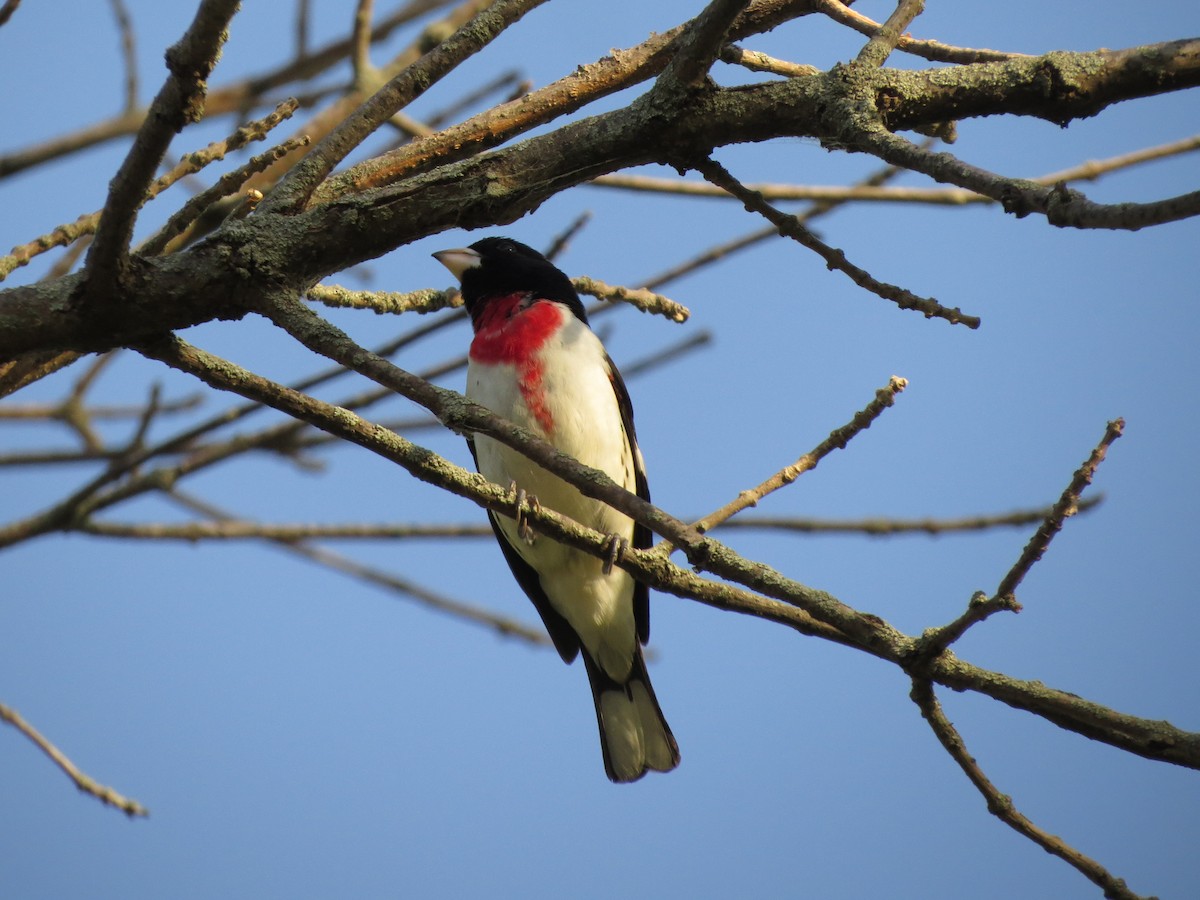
535	362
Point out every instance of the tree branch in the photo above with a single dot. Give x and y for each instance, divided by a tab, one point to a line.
492	19
786	602
180	102
1001	805
884	40
82	781
198	286
837	440
791	226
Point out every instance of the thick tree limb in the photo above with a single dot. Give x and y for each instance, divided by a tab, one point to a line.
231	272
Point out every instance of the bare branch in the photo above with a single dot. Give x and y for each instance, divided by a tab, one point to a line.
884	41
303	20
492	19
1086	171
1001	805
791	226
230	528
757	61
59	237
646	301
713	254
231	99
392	302
563	239
1061	205
666	354
360	57
82	781
981	607
931	50
813	192
297	546
615	72
128	51
161	241
837	440
179	102
188	165
1067	505
816	613
888	526
696	51
6	11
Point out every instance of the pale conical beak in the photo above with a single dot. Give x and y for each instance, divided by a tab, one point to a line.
458	261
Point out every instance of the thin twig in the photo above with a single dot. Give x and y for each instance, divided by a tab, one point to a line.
381	302
303	21
249	93
226	185
1001	805
45	411
812	192
128	52
792	227
1062	206
887	526
502	625
360	56
981	607
884	41
228	528
237	529
503	81
188	165
1085	171
646	301
1067	505
757	61
563	239
931	50
837	440
82	781
876	179
667	354
429	300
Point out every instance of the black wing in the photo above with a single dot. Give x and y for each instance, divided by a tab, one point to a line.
642	536
566	641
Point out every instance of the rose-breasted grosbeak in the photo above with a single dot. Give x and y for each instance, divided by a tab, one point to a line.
535	362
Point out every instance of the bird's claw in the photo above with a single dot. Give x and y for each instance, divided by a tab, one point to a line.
525	503
614	551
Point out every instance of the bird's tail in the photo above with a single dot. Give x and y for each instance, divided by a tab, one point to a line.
634	736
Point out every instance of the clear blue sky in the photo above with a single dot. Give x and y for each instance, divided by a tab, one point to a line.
297	734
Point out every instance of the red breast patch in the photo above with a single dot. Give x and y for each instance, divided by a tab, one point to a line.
513	330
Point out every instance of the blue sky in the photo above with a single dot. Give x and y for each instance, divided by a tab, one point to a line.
298	734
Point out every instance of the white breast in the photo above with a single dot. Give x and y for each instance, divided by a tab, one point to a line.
586	423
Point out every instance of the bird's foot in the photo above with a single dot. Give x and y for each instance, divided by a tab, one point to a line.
524	503
614	550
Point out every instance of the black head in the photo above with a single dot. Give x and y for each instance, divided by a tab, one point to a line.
498	267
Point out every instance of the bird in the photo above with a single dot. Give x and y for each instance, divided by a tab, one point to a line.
535	361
